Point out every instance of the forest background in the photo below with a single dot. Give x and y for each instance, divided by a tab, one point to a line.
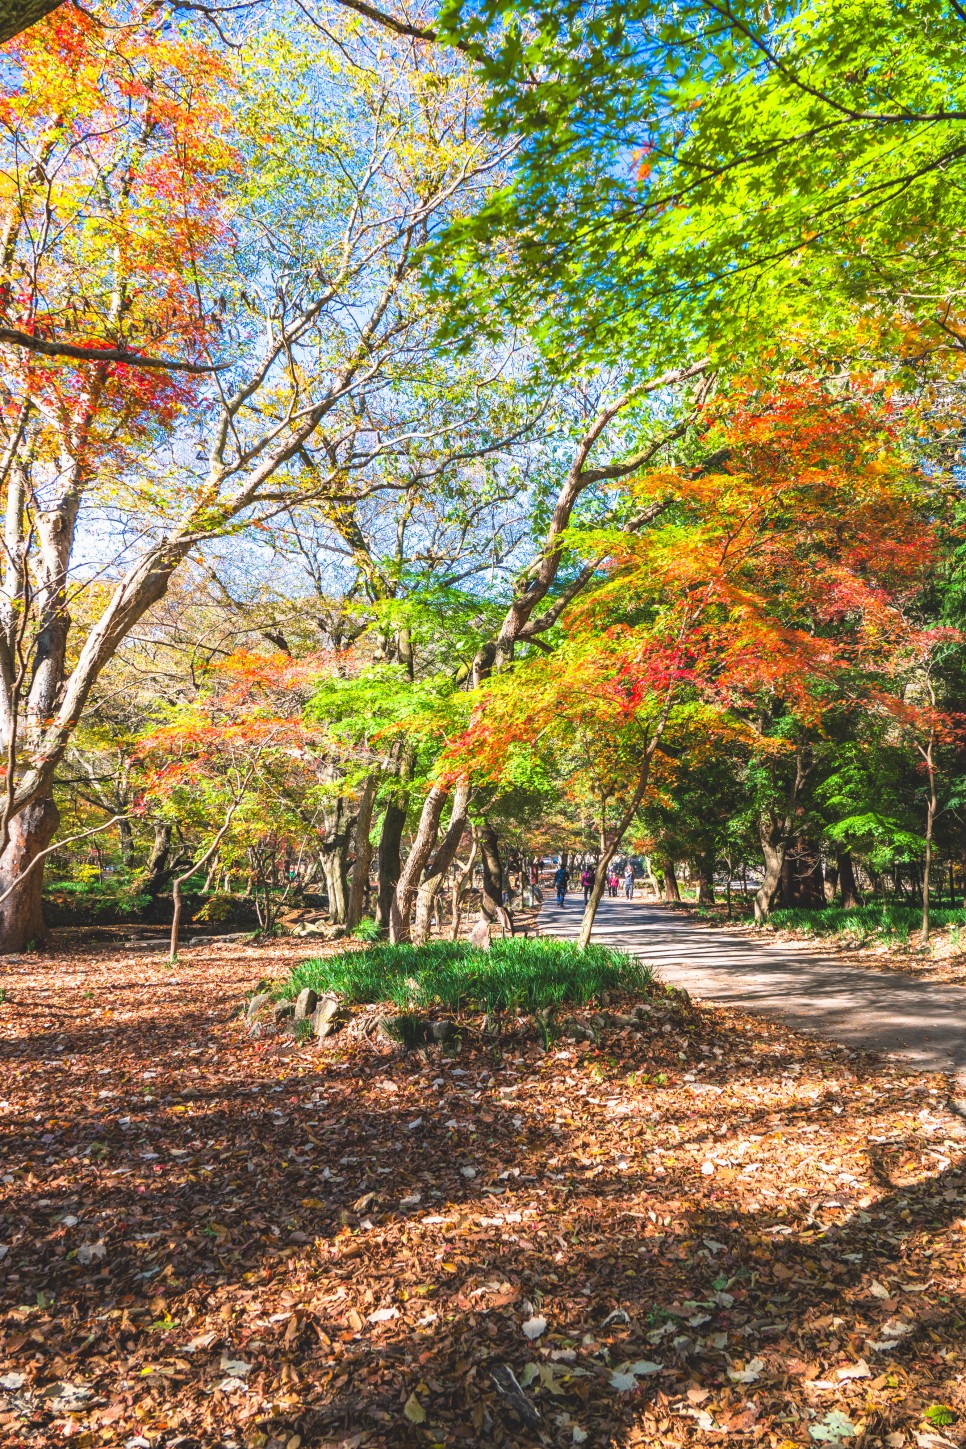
433	441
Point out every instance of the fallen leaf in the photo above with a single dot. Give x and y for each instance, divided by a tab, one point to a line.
414	1411
859	1370
534	1327
750	1374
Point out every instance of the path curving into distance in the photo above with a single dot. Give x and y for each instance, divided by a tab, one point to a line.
908	1020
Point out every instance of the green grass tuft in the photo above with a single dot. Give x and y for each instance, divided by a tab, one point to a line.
878	921
514	975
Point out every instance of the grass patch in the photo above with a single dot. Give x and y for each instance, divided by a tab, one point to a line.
513	975
878	921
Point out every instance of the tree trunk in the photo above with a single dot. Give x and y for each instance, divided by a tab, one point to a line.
773	846
363	859
671	890
440	864
335	869
831	882
390	856
705	874
787	883
151	878
21	914
492	872
127	843
847	887
334	855
459	886
612	841
423	842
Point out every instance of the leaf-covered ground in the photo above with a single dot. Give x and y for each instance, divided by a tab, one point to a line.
705	1229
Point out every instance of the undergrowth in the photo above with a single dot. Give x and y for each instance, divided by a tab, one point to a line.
878	921
515	974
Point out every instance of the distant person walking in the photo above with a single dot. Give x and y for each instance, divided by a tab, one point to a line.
587	881
629	881
560	883
613	882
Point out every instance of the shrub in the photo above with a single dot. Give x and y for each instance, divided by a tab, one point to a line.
515	974
367	930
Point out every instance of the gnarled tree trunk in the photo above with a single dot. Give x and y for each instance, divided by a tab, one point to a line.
21	914
773	847
440	864
151	878
425	838
334	859
492	901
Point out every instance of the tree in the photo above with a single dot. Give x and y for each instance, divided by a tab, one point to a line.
315	289
724	176
767	583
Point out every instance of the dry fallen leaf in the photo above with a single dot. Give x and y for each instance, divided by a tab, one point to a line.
414	1410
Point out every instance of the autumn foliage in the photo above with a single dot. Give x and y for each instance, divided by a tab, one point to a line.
784	567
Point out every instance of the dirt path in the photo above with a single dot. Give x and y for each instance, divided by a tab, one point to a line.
911	1021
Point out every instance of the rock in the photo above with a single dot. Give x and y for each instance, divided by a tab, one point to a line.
305	1003
575	1030
142	946
258	1003
324	1017
443	1031
283	1010
335	933
480	935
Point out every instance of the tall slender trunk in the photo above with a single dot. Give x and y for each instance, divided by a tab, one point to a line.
334	858
492	902
21	914
459	886
363	858
612	841
126	843
440	863
932	805
390	855
423	842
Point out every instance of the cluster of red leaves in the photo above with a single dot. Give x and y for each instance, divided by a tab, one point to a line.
210	1241
252	713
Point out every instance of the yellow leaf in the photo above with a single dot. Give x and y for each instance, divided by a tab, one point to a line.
414	1410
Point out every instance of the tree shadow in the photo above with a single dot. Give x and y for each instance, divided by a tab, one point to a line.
279	1215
